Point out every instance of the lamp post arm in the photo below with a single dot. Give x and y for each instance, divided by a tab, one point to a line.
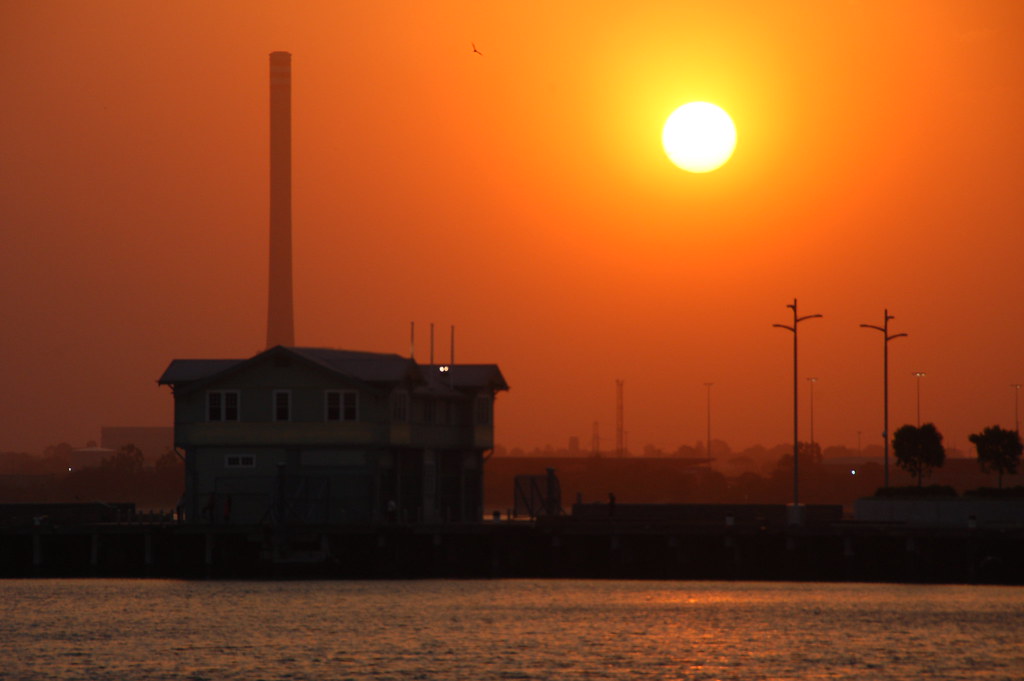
895	335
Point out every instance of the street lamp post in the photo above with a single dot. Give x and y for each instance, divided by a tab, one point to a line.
796	393
885	382
918	375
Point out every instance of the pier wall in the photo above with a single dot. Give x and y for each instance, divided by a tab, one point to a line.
556	548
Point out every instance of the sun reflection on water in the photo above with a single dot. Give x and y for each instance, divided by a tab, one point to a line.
506	629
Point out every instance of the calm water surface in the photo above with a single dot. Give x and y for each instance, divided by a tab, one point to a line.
506	630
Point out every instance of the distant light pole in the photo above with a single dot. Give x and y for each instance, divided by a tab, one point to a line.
812	380
796	394
918	375
885	383
1016	406
708	386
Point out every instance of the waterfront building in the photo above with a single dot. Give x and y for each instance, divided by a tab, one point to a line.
299	435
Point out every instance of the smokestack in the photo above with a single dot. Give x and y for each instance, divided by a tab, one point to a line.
280	319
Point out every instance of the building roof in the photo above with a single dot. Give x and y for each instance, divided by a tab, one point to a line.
188	370
373	367
369	367
468	376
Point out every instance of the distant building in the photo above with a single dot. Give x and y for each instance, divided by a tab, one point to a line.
88	457
314	435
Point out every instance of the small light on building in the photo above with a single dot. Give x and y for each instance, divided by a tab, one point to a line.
443	368
853	471
69	469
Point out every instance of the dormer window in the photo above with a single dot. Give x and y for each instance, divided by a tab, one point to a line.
222	405
282	405
342	405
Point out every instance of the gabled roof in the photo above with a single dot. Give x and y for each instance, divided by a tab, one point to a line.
372	367
188	370
368	367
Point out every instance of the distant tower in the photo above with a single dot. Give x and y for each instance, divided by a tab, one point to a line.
280	318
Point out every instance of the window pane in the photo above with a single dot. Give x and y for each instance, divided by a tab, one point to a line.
350	406
230	406
282	406
333	405
213	412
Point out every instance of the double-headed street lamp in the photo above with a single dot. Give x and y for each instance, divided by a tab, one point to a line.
885	382
796	393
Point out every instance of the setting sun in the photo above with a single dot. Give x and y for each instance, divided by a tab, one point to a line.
699	137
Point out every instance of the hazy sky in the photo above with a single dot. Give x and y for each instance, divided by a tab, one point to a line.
524	197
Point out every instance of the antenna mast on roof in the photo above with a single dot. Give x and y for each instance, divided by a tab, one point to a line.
431	343
412	341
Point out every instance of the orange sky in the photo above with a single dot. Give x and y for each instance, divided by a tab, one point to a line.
523	196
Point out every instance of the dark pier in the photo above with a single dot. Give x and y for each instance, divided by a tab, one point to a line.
548	548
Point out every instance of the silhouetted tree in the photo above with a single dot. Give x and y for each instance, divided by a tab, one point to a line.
810	452
169	460
127	460
918	450
58	457
999	450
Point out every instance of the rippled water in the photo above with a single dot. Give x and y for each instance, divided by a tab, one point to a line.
506	630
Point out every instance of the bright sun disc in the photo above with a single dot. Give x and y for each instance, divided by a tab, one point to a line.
699	137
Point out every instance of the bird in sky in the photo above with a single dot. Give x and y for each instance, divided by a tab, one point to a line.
476	50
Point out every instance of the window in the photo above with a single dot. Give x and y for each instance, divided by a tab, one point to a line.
342	405
239	461
222	405
282	405
400	407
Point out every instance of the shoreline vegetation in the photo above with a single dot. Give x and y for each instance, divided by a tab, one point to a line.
756	475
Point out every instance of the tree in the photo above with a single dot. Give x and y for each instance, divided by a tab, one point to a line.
918	450
169	460
999	450
810	452
127	460
58	457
